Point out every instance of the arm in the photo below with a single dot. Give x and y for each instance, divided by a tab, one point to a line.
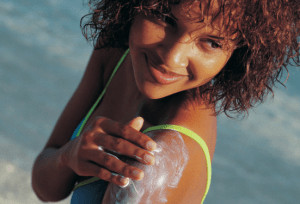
57	167
50	179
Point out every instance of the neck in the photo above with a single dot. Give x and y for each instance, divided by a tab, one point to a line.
158	111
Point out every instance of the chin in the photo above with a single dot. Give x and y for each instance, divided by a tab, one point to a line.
155	93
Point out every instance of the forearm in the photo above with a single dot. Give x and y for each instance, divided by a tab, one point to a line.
51	179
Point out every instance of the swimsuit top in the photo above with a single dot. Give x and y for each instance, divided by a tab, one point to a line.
94	188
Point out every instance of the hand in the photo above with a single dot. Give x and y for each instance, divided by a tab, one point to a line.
94	152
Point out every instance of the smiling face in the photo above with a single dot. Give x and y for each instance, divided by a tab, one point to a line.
172	55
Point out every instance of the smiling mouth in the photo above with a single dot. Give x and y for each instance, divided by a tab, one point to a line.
162	75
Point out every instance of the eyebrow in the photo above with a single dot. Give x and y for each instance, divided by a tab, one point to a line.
216	37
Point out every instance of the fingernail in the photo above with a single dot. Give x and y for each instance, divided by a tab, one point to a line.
124	181
137	174
148	159
151	145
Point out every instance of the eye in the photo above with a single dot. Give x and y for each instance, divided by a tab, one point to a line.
169	20
213	44
210	44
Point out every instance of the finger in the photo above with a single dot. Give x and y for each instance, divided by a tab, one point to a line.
136	123
90	169
123	147
112	163
112	127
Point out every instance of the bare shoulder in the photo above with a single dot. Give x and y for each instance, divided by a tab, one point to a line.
180	172
200	139
182	163
201	120
198	129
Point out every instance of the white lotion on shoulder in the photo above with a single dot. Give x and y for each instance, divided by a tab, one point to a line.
171	156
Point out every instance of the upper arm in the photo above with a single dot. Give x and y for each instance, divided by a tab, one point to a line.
83	98
176	176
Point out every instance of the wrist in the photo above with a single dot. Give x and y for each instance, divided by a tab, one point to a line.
62	159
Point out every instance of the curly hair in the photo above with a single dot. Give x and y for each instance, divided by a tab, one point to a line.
267	42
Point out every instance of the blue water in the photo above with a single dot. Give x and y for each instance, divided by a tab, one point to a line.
42	58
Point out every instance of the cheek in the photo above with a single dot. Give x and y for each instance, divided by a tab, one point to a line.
208	68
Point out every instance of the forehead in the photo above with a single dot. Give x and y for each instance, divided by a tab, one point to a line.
202	8
213	14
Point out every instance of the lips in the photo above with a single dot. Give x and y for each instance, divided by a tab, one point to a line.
161	74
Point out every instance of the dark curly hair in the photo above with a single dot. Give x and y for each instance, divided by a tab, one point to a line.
266	33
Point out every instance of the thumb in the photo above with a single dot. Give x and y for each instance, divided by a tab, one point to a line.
136	123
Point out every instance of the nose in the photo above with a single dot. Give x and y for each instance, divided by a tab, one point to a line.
175	53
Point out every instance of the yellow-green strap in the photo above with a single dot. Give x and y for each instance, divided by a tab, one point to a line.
195	137
85	182
102	93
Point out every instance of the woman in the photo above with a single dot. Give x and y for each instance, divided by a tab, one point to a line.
187	61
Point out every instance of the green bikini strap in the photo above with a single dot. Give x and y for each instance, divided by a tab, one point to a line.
102	93
195	137
93	179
